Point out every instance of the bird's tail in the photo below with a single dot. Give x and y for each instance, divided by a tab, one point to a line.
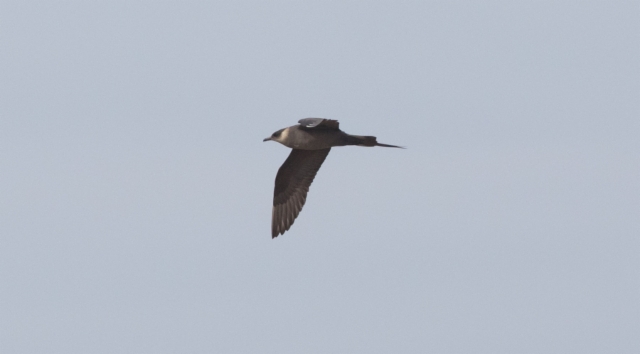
367	141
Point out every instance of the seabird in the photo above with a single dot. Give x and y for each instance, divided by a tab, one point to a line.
310	141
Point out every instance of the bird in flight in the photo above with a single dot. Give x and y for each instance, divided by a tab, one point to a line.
310	141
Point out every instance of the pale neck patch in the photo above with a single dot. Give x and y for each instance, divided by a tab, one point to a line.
283	136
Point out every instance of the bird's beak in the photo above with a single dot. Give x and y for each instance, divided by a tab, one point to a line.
267	139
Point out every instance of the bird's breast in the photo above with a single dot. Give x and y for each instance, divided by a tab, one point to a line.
312	140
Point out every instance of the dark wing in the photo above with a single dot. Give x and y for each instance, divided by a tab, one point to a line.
315	123
292	184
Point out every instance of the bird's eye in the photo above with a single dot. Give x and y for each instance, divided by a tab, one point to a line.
276	134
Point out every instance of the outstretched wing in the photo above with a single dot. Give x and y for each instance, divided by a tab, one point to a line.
292	184
319	123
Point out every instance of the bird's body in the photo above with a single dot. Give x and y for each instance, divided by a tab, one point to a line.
310	142
296	137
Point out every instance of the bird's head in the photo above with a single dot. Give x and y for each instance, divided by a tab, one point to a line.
278	136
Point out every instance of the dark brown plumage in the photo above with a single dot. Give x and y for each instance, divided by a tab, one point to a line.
310	141
292	185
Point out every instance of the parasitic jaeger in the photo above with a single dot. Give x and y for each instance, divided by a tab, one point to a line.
310	141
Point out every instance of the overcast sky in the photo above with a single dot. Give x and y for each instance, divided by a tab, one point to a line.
136	191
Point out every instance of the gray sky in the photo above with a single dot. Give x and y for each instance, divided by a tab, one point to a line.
135	189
